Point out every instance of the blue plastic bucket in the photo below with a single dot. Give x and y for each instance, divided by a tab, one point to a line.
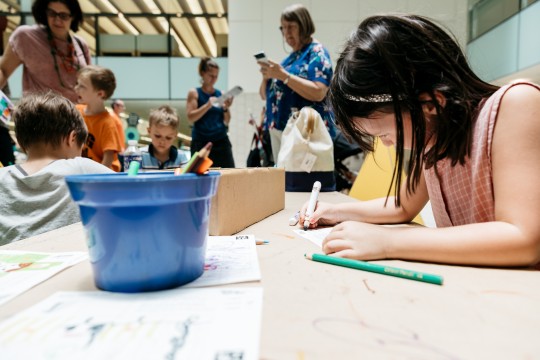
146	232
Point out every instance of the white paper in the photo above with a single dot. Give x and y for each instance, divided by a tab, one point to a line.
235	91
229	260
213	323
316	236
308	162
22	270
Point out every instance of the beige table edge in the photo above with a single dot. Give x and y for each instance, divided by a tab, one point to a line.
318	311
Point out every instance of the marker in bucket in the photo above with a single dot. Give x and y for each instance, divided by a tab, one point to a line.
199	162
133	168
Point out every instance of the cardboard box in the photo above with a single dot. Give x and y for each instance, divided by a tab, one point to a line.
244	197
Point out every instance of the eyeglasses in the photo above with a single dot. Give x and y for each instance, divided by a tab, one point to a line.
62	15
288	27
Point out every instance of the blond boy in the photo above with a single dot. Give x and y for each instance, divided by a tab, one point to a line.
163	130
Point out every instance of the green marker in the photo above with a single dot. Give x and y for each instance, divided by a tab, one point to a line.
189	165
379	269
133	168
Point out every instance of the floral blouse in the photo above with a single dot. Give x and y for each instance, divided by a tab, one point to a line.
312	62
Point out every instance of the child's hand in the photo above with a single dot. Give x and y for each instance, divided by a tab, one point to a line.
357	240
323	215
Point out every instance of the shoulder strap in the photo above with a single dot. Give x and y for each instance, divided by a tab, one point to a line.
83	48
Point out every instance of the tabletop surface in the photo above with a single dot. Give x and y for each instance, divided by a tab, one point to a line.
313	310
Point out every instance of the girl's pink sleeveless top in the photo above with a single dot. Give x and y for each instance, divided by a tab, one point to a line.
464	193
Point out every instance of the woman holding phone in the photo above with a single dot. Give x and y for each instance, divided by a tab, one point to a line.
302	78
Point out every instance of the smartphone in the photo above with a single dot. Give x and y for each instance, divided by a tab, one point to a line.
261	57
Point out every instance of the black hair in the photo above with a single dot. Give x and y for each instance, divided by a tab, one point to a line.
47	118
405	56
39	11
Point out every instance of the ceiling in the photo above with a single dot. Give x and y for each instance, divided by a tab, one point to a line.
198	27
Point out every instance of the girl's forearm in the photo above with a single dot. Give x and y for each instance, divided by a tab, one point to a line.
376	211
492	244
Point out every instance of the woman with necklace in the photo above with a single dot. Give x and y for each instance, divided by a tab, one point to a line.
210	123
302	78
50	54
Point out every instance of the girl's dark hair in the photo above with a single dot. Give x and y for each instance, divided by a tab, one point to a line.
39	10
47	118
299	14
405	56
206	64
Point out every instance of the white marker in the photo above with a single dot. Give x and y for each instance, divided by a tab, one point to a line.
312	203
293	220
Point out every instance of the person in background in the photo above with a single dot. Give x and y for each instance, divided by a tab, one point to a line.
35	198
7	157
302	78
118	108
50	54
210	123
163	130
95	85
473	151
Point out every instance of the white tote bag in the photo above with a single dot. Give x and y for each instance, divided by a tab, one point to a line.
307	152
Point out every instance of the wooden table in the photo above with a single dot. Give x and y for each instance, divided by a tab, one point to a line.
318	311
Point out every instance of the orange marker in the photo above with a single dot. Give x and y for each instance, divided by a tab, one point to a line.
204	166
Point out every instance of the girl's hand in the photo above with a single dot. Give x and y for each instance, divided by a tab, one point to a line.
212	100
324	214
357	240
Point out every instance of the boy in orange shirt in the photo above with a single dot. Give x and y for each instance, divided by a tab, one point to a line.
95	84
